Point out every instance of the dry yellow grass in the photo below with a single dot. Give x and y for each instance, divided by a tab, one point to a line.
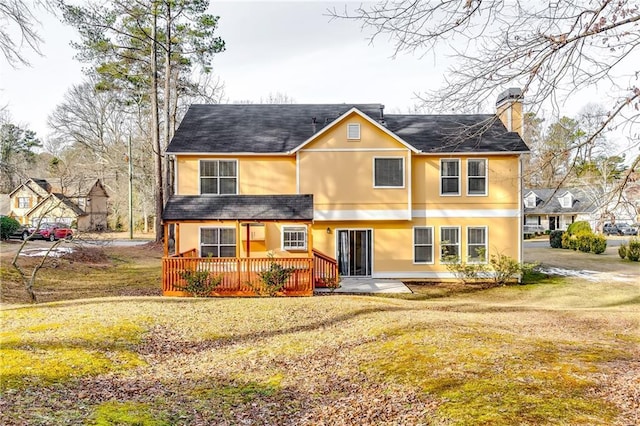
560	352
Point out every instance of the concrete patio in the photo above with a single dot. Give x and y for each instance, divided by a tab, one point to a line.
367	285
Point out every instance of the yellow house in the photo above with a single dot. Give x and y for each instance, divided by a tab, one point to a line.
378	195
83	202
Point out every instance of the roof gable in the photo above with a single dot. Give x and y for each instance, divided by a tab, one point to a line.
342	121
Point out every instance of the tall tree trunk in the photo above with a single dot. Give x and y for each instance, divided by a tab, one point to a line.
167	93
155	124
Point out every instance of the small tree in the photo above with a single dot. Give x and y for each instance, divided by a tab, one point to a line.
274	278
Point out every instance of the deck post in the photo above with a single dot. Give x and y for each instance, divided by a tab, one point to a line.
166	239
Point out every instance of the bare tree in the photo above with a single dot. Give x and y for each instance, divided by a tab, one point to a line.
551	50
16	18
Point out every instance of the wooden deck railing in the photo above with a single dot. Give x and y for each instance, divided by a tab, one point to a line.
325	270
239	275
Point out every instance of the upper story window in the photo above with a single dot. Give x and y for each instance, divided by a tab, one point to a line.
23	202
218	177
450	177
353	131
217	242
566	201
477	176
294	238
530	201
388	172
423	245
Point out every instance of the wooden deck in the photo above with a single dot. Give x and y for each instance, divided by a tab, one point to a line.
240	276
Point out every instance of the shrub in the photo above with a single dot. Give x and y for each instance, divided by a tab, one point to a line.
199	283
467	272
8	226
579	227
274	278
569	241
622	251
583	241
598	244
633	250
504	268
555	239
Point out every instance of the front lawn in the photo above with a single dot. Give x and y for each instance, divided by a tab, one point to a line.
559	352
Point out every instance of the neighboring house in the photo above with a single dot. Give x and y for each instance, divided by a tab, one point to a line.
551	209
379	195
85	206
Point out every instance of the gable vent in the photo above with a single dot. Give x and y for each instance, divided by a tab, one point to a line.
353	131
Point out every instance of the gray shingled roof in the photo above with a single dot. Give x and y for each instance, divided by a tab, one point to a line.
255	128
229	128
241	207
455	133
547	201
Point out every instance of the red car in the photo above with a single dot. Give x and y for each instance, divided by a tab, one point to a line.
52	232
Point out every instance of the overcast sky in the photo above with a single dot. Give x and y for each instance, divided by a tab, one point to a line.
289	47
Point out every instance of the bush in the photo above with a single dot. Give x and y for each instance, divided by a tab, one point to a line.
504	268
569	242
622	251
274	278
579	227
199	283
633	250
583	241
467	272
598	244
8	226
555	239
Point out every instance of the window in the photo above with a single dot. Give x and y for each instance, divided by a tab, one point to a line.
450	177
353	131
477	175
530	201
218	177
294	238
23	202
449	244
388	172
217	242
477	244
566	201
423	245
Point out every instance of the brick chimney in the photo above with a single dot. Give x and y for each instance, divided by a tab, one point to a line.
509	110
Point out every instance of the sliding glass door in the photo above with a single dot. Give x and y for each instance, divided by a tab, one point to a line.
354	252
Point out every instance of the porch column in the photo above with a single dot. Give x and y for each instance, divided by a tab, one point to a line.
166	239
177	237
238	239
309	240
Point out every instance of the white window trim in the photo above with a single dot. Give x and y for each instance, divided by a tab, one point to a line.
216	227
373	172
353	126
486	177
442	262
459	193
306	238
219	159
486	244
433	245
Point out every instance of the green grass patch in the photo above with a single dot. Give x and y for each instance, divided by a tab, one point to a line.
46	353
128	414
496	378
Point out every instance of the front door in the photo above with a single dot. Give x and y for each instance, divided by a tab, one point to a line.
354	252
